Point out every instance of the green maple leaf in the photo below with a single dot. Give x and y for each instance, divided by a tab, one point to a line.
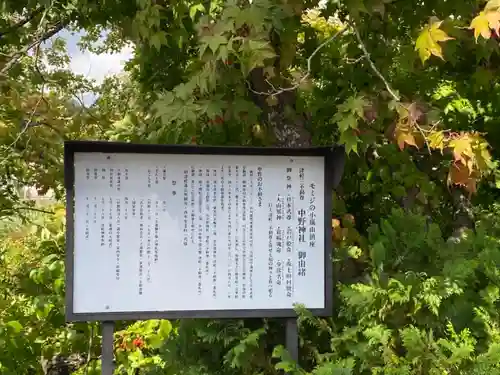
213	107
215	41
354	104
348	122
157	40
350	140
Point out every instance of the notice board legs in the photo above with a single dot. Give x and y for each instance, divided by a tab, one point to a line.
292	338
107	358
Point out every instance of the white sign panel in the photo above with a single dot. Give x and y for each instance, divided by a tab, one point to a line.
170	232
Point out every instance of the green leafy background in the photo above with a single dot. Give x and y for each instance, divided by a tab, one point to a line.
408	87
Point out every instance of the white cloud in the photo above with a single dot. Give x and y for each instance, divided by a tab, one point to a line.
100	66
91	65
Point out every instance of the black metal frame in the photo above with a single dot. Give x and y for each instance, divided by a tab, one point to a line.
71	147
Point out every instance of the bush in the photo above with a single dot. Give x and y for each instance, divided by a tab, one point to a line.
420	304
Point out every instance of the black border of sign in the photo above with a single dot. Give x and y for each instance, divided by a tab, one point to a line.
70	147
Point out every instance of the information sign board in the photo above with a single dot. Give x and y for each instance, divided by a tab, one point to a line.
157	231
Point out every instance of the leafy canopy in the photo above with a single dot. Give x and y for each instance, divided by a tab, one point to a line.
411	89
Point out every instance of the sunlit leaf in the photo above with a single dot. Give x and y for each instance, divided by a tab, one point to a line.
427	43
483	23
15	325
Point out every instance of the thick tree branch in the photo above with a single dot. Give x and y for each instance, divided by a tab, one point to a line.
463	215
287	126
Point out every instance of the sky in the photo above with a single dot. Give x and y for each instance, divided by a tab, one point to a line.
91	65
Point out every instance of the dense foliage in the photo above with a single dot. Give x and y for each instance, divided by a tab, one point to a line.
410	88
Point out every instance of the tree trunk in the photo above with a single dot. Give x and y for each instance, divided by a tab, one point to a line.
287	126
463	215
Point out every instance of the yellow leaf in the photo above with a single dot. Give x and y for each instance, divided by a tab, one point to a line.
493	20
460	175
492	5
419	139
402	110
427	41
483	23
405	131
481	26
482	157
436	140
462	148
335	223
403	138
337	230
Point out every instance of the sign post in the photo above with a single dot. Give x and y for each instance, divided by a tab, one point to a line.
107	357
171	232
292	338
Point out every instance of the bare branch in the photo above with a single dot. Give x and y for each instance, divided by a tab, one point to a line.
386	83
372	65
366	55
14	58
34	209
354	61
279	91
